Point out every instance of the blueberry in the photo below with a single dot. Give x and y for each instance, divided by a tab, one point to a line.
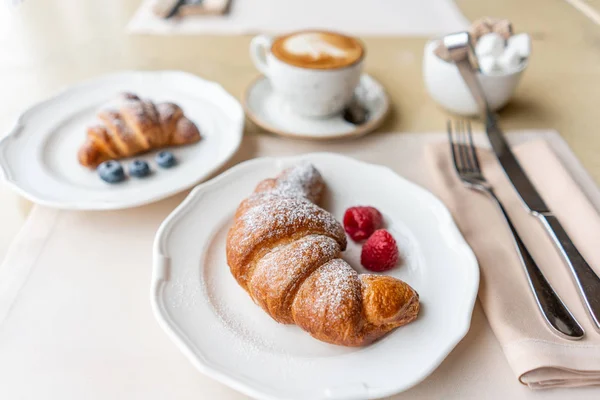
139	168
166	159
111	171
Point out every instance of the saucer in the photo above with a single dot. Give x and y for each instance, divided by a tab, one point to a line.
266	110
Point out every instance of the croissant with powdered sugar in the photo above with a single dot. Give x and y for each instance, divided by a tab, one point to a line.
285	251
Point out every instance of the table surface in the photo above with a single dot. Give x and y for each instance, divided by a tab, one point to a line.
48	45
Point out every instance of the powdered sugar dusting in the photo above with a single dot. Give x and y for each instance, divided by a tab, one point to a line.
248	342
279	274
273	215
185	293
295	255
121	101
333	296
244	337
337	282
248	345
301	180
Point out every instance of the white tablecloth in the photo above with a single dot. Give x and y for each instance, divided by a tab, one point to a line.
76	321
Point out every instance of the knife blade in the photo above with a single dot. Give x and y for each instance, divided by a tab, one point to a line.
513	170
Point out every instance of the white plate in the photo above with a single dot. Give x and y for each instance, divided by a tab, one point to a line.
228	337
39	156
266	110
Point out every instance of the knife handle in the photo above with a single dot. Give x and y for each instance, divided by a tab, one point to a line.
586	280
555	312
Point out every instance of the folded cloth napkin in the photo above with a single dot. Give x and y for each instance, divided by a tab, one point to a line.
538	358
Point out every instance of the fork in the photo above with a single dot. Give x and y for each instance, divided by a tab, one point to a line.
466	163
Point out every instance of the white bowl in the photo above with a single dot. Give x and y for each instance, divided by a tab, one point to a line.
447	88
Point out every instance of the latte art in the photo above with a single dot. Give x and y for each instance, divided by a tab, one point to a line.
312	44
320	50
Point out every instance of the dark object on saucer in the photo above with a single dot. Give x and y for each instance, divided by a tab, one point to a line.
355	113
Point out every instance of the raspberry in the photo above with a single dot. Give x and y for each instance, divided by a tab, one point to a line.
361	222
380	252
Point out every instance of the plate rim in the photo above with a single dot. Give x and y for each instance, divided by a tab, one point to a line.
7	176
160	271
361	130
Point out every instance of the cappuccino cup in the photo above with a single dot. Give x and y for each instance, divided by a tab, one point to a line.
313	72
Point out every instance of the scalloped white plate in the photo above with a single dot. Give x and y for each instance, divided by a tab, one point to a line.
226	336
39	156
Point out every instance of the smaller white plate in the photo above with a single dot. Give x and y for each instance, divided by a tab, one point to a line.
267	110
228	337
39	156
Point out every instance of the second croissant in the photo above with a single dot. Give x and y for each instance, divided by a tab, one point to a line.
133	126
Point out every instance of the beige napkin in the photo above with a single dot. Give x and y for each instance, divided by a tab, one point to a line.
538	358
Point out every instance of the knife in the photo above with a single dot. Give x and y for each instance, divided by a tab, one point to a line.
586	280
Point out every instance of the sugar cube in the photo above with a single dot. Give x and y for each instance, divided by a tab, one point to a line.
510	60
522	43
489	65
490	44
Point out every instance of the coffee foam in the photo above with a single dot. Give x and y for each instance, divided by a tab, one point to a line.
321	50
313	45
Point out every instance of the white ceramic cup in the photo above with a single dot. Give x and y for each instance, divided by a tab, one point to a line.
446	86
307	92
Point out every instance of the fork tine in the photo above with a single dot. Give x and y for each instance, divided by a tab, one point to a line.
472	148
455	161
465	146
462	146
451	143
456	143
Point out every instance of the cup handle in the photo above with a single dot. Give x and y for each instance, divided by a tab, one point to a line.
260	46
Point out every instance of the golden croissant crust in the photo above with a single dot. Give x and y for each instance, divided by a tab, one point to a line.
134	126
285	251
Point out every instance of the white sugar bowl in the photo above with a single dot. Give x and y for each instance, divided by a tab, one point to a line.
446	86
